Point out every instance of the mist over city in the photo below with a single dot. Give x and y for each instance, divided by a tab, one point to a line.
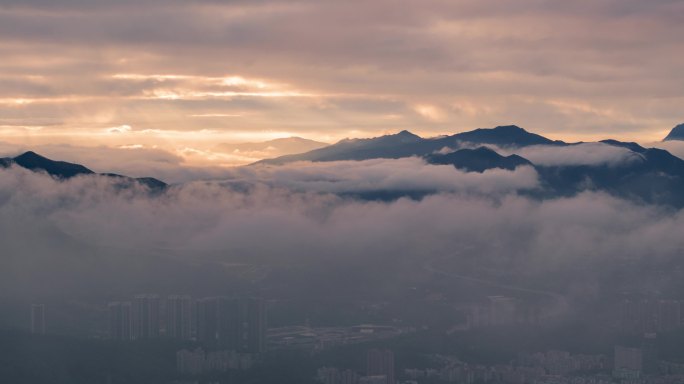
376	192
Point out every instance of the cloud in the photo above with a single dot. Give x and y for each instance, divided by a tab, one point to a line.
119	129
579	154
335	68
609	68
407	174
288	219
675	147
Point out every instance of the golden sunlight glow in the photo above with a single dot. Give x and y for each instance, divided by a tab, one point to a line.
430	112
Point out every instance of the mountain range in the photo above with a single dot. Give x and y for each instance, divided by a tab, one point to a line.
651	175
405	144
65	170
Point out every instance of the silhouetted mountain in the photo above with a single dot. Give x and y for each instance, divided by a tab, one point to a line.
478	160
125	181
504	136
652	175
677	133
406	144
649	175
632	146
151	182
61	169
402	144
64	170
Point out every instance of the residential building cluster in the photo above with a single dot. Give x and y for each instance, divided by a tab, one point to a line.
563	362
455	371
317	339
199	361
379	370
231	323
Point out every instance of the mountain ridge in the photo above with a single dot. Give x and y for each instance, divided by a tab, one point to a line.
655	175
651	175
63	170
676	134
478	160
406	144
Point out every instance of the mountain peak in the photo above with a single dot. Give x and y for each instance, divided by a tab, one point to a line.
477	160
406	136
509	128
406	133
30	155
503	135
62	169
677	133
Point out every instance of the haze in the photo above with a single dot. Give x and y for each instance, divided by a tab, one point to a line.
341	192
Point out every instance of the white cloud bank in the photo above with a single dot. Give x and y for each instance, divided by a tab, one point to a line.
579	154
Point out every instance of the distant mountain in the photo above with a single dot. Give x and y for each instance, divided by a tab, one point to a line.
677	133
271	148
504	136
125	181
402	144
647	175
405	144
652	176
64	170
632	146
478	160
61	169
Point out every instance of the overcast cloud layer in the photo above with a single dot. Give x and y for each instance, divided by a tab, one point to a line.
285	215
184	76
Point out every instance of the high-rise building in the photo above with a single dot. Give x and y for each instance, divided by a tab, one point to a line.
237	324
179	317
250	330
628	362
145	317
120	320
349	377
649	351
207	319
38	319
380	362
375	379
328	375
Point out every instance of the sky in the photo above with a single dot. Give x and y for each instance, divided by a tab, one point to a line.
162	87
177	78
